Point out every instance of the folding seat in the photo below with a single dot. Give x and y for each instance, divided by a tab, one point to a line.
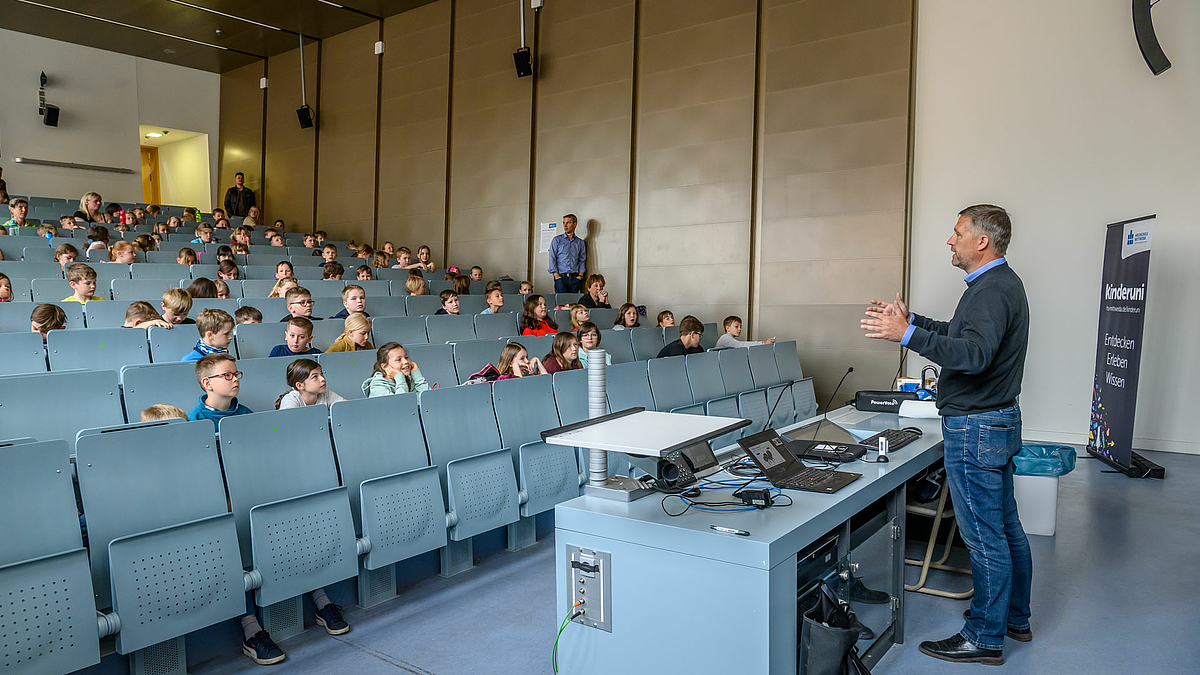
228	305
324	289
478	287
495	326
548	474
788	362
562	317
762	365
509	287
150	384
307	273
33	405
669	383
109	314
711	332
14	316
257	288
259	257
605	319
325	332
513	303
259	272
23	353
142	289
704	377
14	245
570	395
735	370
173	247
403	329
161	256
535	345
647	342
21	291
477	472
629	386
273	309
377	288
450	327
158	271
256	340
36	254
346	371
389	274
423	305
263	380
49	612
806	398
169	345
471	304
206	271
435	286
470	356
619	344
327	306
54	290
395	495
263	249
96	348
436	363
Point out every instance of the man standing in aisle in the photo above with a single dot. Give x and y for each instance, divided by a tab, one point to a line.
239	198
568	257
981	352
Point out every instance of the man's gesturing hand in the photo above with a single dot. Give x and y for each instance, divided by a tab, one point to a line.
886	320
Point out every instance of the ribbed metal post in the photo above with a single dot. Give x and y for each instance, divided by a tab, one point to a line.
597	407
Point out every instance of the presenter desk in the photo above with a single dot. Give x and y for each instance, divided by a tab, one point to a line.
685	598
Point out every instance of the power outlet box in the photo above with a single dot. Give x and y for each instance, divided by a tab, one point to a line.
589	577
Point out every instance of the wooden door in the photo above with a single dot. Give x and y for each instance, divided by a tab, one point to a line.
150	186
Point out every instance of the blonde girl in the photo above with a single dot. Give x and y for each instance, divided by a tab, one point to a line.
579	314
515	362
281	287
355	337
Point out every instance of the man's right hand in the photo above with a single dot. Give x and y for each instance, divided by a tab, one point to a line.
881	308
557	275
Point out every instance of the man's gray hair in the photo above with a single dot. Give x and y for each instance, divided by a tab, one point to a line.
992	221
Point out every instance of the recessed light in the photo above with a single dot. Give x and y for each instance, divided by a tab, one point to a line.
153	134
168	50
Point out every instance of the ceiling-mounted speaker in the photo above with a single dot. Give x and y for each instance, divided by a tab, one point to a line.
1143	28
50	117
524	61
305	113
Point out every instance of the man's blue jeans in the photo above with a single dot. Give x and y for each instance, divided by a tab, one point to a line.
568	283
978	451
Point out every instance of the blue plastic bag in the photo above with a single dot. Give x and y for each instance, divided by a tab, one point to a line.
1038	459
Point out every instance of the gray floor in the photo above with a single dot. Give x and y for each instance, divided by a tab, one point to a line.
1114	592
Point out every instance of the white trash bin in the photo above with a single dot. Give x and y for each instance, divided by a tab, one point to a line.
1037	503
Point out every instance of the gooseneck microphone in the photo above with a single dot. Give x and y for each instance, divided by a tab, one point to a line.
826	415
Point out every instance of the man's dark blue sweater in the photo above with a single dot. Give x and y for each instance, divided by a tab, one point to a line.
981	350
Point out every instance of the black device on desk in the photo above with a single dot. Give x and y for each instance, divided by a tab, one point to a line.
824	440
771	454
681	467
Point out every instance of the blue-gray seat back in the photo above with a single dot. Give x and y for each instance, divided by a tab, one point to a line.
21	290
805	398
260	272
423	305
618	343
14	316
735	370
752	405
762	366
495	326
171	344
436	363
308	273
261	257
376	288
143	289
264	380
472	355
178	477
43	565
788	361
403	329
435	286
54	290
346	371
159	271
325	332
647	342
524	409
443	413
32	405
37	254
563	299
670	334
23	353
514	303
275	455
570	395
605	319
711	332
164	255
147	385
482	492
782	406
389	274
257	288
273	309
450	327
204	270
562	317
367	449
324	289
629	386
96	348
256	340
106	273
471	304
386	305
327	306
108	314
227	305
704	376
535	345
28	269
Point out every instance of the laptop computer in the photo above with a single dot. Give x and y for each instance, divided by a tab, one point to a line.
771	454
824	440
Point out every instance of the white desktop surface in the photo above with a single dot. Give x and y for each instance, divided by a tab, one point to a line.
647	433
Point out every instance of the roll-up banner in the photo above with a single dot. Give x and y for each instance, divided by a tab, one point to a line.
1119	340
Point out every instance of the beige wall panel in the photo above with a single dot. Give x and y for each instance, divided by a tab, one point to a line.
241	130
413	123
291	151
834	147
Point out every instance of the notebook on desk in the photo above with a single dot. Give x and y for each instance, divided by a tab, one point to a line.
772	456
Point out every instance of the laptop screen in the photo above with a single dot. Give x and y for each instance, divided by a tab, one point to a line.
822	430
769	451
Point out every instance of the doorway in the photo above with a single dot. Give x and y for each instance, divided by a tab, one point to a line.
151	193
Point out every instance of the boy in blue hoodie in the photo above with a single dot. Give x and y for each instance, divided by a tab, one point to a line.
219	378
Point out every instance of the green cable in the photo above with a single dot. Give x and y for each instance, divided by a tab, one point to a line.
563	626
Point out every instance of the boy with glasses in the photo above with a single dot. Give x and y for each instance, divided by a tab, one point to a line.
299	303
219	377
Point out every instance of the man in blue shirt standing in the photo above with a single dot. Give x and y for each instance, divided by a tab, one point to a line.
568	257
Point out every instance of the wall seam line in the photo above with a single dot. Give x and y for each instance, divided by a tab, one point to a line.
378	139
631	242
449	137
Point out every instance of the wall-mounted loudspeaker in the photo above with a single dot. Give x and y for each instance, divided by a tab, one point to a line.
50	117
524	61
1143	28
305	113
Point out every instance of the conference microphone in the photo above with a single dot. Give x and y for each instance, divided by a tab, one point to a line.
826	415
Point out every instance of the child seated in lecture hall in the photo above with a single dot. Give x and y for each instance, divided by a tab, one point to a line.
477	273
589	338
65	254
203	234
144	243
564	354
307	382
495	300
525	288
627	317
224	252
82	280
296	339
394	373
321	236
228	271
186	256
330	253
403	259
270	232
462	284
222	289
176	303
310	241
380	259
733	331
162	411
332	271
363	273
97	237
68	223
219	380
515	362
449	302
415	285
122	252
535	319
365	252
46	229
276	240
425	259
45	318
666	318
579	316
282	286
690	331
299	303
6	294
284	269
141	314
215	327
202	287
356	335
389	248
354	299
246	314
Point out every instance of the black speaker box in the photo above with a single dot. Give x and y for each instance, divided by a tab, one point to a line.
882	401
50	117
524	61
305	114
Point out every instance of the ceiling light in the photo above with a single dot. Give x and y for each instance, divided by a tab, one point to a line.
229	16
123	25
331	4
153	134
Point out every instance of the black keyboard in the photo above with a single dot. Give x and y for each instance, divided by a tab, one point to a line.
896	438
809	478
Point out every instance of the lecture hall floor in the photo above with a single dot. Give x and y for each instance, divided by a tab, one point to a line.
1104	600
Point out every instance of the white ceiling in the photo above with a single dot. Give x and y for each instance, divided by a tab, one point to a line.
171	135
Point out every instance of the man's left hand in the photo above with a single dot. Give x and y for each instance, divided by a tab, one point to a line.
880	326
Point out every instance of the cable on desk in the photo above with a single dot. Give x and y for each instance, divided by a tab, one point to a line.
563	626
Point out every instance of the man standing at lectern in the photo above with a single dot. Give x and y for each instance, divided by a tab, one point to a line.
981	352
